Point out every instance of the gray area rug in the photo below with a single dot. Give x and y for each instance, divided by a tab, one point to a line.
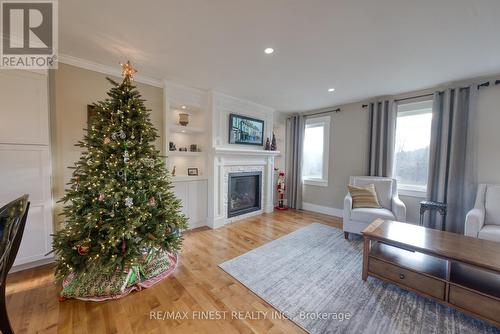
314	272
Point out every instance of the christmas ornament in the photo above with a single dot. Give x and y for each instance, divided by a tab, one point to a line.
129	202
82	250
106	141
126	157
151	237
152	201
119	134
124	246
101	197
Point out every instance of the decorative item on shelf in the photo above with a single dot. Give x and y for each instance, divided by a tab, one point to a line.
193	148
192	171
183	149
171	146
245	130
173	171
183	119
280	188
273	143
268	145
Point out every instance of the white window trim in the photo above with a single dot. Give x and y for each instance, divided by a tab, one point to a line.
412	191
325	122
408	108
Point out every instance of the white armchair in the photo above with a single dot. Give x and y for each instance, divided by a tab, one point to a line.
392	208
483	221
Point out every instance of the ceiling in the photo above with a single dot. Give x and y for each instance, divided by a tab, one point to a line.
362	48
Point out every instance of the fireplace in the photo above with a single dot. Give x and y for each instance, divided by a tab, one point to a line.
244	193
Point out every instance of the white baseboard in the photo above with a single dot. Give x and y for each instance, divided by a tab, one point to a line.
30	265
322	209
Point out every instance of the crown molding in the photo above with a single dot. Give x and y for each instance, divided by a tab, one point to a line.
105	69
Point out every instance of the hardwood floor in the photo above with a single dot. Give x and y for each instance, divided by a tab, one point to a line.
198	284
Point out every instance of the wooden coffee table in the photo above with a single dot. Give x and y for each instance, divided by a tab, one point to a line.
455	270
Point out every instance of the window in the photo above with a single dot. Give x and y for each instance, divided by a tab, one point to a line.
411	153
315	151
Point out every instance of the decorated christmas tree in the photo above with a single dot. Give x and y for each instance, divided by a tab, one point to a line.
120	212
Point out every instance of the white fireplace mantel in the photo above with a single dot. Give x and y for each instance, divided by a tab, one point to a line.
238	151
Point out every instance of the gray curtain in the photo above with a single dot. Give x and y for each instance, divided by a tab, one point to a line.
382	132
452	170
295	139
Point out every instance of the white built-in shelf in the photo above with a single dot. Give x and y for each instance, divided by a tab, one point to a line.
185	129
184	154
230	150
189	109
184	178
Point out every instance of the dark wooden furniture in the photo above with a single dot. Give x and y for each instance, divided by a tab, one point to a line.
455	270
12	222
432	206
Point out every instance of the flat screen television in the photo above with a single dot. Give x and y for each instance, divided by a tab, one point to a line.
245	130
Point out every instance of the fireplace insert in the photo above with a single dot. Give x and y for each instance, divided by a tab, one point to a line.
244	193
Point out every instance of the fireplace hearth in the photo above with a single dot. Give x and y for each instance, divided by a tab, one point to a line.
244	193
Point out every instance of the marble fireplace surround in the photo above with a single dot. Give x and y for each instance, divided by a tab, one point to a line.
228	161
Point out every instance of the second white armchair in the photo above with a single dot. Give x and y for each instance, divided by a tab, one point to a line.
392	208
483	221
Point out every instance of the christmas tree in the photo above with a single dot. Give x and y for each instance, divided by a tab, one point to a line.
119	209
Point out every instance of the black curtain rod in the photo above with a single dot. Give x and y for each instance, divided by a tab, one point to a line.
484	84
406	98
323	112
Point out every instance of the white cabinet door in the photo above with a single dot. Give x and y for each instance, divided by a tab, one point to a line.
24	116
25	169
193	195
197	198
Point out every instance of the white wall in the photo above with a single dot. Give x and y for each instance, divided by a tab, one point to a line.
488	135
349	151
348	156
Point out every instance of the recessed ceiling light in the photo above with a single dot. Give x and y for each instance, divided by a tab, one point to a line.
331	89
183	131
269	51
183	107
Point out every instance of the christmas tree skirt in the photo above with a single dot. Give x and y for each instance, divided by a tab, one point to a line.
97	286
